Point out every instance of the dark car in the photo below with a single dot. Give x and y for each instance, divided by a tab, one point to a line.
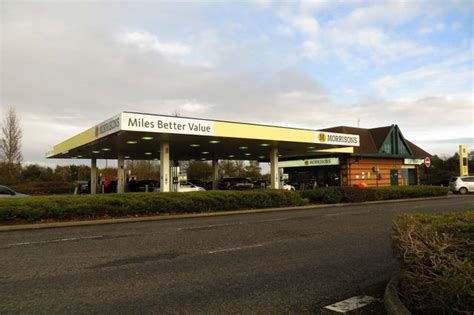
145	185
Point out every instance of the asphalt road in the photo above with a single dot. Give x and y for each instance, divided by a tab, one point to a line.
280	262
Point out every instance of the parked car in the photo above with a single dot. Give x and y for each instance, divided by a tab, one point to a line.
237	183
462	184
188	187
288	187
141	185
6	192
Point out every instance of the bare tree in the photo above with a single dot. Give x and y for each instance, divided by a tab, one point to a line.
176	113
10	144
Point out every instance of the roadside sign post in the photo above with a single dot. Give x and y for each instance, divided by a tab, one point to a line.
427	162
463	168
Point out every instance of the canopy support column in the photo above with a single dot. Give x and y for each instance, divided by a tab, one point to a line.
164	167
274	172
120	173
215	174
93	187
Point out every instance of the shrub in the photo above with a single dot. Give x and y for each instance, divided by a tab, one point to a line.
44	188
352	194
323	195
92	206
436	254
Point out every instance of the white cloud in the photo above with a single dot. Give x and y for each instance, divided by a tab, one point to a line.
311	48
70	65
306	24
365	30
148	42
431	29
260	4
284	30
446	77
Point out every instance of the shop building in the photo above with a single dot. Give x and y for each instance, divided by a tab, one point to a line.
383	158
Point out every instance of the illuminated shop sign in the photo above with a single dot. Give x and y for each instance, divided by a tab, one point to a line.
107	127
336	138
309	162
177	125
413	161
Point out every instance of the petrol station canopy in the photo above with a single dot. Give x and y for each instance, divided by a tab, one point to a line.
138	136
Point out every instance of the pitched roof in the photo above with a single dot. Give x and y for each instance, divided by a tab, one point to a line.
417	151
371	140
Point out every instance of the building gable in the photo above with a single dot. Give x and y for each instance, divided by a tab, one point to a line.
394	143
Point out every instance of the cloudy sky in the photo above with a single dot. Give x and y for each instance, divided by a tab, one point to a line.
66	66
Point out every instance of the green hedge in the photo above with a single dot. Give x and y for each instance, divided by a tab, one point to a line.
436	253
42	208
352	194
41	188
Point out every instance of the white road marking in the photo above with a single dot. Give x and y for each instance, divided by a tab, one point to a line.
273	220
207	226
351	304
342	213
233	249
58	240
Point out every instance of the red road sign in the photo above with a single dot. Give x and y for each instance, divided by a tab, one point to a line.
427	161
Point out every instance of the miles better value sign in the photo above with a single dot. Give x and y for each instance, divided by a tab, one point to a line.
163	124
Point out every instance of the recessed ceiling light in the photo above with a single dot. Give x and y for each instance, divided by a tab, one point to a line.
132	142
79	156
126	157
155	159
248	154
147	138
261	157
194	145
243	148
105	149
205	152
148	153
231	155
265	144
203	159
311	148
214	141
95	151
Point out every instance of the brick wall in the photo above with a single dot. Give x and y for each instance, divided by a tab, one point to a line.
361	170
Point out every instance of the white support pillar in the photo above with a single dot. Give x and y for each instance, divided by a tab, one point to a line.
120	173
215	174
93	187
165	179
274	172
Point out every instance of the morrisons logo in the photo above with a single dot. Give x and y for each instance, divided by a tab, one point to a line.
109	126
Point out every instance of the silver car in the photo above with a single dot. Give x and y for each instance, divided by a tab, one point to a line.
6	192
462	184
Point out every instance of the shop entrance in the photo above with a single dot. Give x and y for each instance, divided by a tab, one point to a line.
394	177
312	177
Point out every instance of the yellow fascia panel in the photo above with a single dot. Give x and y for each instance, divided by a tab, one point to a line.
246	131
74	142
337	150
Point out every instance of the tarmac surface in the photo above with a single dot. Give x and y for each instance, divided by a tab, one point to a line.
276	262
